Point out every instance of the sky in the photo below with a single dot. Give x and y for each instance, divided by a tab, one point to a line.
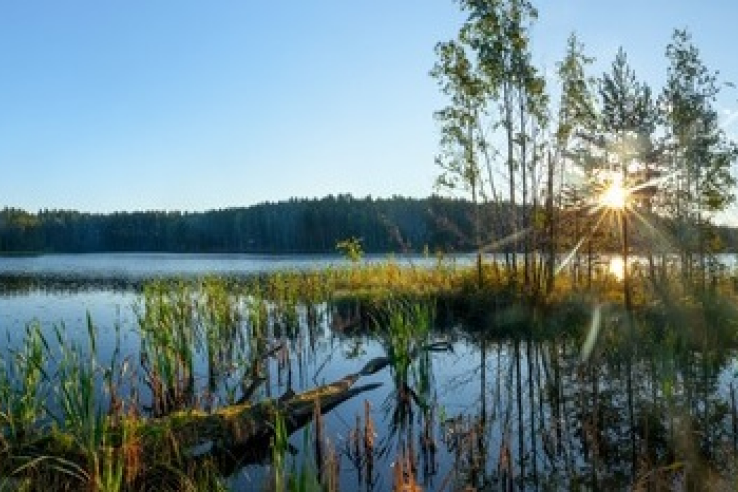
195	105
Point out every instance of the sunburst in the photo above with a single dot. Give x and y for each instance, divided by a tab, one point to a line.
615	197
617	267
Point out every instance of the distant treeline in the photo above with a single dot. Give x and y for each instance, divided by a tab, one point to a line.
395	224
295	226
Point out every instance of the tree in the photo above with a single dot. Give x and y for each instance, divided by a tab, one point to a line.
499	33
614	145
700	154
459	122
628	123
351	249
494	91
576	117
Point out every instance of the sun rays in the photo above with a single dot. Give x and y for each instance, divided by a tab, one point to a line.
616	201
615	196
617	267
612	203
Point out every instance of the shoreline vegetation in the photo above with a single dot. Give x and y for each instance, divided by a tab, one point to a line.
96	431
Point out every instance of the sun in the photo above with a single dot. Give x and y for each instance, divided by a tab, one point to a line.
615	196
617	267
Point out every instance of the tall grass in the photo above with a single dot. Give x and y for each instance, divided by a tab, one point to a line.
53	419
22	398
168	342
65	419
82	416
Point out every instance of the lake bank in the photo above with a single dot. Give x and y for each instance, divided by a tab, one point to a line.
552	391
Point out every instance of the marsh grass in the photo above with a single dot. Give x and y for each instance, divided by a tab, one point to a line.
55	404
21	393
168	343
81	385
68	421
207	343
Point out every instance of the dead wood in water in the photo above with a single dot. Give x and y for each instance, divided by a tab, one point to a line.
250	424
230	437
234	435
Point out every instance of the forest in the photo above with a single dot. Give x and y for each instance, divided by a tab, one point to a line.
393	225
589	164
295	226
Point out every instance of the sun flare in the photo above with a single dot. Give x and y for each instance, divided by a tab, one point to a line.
615	196
617	267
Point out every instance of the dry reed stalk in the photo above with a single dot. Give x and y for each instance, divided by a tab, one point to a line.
368	441
404	477
428	444
355	439
733	414
318	438
132	459
332	468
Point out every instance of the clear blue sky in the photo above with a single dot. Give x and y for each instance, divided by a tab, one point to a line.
193	105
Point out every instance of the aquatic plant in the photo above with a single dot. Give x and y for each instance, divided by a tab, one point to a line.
351	248
549	415
22	395
167	322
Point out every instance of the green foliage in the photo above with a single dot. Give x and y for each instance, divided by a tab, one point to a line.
97	448
78	394
576	108
169	337
22	395
351	249
295	226
408	326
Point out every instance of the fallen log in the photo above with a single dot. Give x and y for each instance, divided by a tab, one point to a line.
240	426
247	423
231	436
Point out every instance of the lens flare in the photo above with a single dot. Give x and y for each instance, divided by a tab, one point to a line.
594	330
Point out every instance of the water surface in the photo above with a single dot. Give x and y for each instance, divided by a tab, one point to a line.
484	412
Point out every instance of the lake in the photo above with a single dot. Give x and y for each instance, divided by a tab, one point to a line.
151	265
656	407
137	266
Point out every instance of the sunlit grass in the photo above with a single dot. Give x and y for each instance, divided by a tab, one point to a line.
229	326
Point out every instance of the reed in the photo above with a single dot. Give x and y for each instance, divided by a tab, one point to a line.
404	474
82	417
199	337
22	389
167	323
219	332
279	445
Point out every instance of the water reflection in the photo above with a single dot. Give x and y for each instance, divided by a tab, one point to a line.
652	408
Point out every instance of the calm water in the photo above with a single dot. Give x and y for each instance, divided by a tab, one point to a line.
480	412
149	265
136	266
319	357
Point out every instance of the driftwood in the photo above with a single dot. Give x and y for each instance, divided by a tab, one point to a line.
232	436
248	424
